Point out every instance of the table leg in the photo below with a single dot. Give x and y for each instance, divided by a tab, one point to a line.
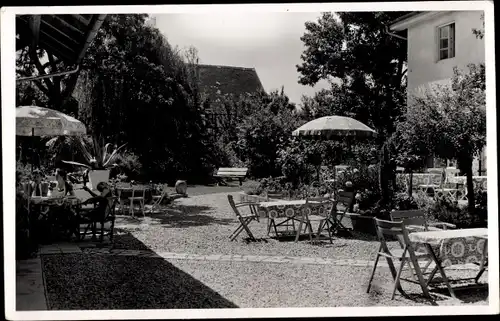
441	270
299	230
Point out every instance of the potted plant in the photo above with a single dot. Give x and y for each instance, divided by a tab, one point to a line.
99	158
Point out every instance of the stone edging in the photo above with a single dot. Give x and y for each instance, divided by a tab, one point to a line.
245	258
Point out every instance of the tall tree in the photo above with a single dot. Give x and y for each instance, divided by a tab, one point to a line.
451	121
354	48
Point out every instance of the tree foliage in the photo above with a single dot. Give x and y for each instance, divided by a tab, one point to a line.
354	49
450	121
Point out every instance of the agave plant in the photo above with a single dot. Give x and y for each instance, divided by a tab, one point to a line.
97	156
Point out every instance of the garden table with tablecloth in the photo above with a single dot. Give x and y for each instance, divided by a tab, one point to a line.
53	215
299	210
453	247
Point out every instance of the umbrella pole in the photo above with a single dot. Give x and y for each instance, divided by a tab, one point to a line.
32	148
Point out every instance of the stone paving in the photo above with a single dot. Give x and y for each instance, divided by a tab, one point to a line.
30	290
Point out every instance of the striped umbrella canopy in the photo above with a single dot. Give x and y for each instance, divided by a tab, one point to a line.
334	127
41	121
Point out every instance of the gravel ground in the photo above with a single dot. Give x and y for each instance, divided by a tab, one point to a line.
290	285
202	225
113	282
93	282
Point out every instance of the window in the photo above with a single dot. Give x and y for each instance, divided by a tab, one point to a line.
446	41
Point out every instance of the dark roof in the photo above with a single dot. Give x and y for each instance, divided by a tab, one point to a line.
66	36
406	16
228	79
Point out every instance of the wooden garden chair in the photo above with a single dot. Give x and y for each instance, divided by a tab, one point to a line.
415	221
243	219
405	255
103	225
158	199
324	221
138	197
343	203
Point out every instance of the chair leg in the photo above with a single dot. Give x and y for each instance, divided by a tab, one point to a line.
441	271
396	283
275	229
131	209
373	273
143	208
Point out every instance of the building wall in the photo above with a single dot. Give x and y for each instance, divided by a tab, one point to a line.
424	68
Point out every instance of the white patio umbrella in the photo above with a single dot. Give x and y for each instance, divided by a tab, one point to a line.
41	121
334	128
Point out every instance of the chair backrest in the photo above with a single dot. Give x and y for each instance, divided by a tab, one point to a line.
326	201
345	200
410	217
230	199
394	229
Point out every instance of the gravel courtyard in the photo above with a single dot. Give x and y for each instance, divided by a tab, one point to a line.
186	239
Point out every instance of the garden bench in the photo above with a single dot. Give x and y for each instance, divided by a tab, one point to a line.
231	173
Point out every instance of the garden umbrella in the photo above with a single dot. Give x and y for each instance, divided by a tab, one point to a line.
41	121
334	128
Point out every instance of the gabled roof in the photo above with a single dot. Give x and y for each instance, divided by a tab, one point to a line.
66	36
216	80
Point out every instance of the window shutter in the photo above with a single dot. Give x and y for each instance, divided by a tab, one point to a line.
452	40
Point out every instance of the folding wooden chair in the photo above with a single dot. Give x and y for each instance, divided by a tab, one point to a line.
157	199
243	219
102	225
138	196
343	204
323	221
404	255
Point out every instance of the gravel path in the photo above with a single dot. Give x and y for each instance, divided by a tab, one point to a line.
128	282
202	225
90	282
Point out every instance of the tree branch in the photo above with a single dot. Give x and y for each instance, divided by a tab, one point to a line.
39	67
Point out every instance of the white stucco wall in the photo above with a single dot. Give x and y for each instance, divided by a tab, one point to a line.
425	70
423	64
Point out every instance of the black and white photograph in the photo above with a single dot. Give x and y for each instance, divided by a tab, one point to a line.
222	161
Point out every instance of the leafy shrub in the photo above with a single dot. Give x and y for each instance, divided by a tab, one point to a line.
128	165
363	178
404	202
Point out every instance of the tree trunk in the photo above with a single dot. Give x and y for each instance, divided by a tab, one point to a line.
410	184
470	184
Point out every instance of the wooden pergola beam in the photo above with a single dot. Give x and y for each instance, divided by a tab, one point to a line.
34	23
96	23
67	25
60	32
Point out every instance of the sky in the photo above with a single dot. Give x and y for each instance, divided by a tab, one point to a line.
269	42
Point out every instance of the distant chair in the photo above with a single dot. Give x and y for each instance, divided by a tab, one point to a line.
343	204
138	197
157	199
